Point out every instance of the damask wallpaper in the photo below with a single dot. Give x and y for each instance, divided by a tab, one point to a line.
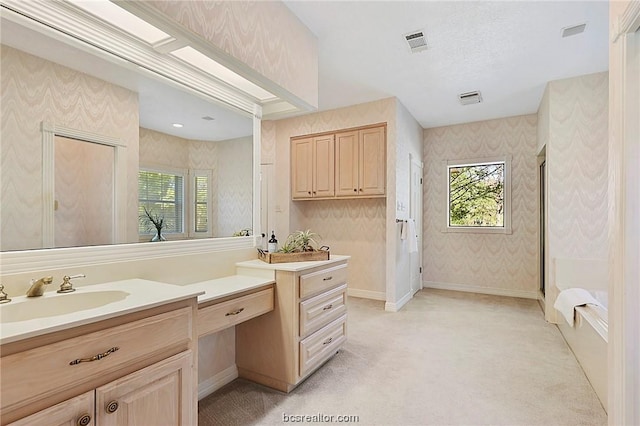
504	264
266	36
352	227
230	163
34	90
574	117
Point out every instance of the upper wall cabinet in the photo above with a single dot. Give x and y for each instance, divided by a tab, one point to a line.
312	167
345	164
360	163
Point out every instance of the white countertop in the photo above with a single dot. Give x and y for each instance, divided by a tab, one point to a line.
291	266
87	306
227	286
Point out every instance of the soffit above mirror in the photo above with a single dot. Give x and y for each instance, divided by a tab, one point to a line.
166	49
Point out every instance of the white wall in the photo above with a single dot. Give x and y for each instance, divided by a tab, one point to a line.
408	144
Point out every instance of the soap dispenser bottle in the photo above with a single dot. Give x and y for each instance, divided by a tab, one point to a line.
273	243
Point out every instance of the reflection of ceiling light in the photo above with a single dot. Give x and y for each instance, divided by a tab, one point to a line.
178	125
208	65
122	19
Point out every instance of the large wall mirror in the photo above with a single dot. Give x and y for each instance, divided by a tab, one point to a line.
90	143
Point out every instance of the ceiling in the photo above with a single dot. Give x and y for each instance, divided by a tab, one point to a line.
508	50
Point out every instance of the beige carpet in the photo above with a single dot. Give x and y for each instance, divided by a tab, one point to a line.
447	358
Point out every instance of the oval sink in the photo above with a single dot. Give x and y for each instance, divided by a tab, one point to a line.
43	307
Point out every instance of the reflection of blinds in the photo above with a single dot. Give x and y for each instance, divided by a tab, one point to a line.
163	195
201	203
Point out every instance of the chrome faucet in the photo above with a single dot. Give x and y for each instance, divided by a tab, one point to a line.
37	286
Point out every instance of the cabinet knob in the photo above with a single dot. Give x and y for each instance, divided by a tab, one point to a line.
309	192
360	189
112	407
84	420
355	190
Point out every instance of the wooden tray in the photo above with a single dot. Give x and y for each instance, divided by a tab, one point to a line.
305	256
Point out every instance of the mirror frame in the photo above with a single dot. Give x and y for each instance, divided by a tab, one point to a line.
66	19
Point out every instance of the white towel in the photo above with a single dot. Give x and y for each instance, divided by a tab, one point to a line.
413	236
403	230
568	300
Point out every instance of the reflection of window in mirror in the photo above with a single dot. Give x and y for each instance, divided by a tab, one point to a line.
83	206
201	206
161	193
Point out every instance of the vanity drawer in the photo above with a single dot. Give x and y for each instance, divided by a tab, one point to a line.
317	282
323	344
320	310
46	370
227	314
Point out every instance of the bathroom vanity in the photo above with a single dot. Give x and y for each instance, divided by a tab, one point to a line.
306	328
127	361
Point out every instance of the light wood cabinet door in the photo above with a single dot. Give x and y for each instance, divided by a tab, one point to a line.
371	176
72	412
347	164
160	394
323	166
302	168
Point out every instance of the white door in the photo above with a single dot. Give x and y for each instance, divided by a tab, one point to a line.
415	213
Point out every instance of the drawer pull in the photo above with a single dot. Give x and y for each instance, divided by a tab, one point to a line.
326	342
112	407
327	279
95	357
326	308
236	312
84	420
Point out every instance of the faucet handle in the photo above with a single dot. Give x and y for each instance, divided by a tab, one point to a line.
4	297
66	286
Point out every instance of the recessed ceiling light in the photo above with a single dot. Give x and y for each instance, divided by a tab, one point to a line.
573	30
178	125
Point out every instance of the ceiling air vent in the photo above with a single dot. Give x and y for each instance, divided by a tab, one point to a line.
573	30
470	98
208	118
416	41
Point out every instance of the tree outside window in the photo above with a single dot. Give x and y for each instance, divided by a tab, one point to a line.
478	195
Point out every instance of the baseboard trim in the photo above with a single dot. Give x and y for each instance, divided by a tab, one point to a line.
366	294
481	290
396	306
209	386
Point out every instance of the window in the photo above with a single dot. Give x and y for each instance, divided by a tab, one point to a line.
479	195
161	193
201	203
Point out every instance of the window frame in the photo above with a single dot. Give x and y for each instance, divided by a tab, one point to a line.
176	172
506	228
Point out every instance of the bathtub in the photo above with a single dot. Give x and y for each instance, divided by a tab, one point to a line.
588	341
588	337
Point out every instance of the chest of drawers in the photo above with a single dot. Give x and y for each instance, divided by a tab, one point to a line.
306	328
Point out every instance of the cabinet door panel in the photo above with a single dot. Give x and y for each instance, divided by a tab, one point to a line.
157	395
302	168
66	413
323	166
347	164
372	161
